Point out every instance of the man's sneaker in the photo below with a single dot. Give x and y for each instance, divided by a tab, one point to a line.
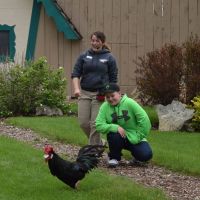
137	163
113	163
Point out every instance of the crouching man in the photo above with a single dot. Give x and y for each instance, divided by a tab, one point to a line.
126	125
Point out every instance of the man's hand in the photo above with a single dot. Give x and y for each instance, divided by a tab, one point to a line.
76	84
121	131
77	93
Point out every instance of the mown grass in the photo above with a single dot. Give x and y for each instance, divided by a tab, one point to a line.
151	112
25	176
178	151
174	150
64	129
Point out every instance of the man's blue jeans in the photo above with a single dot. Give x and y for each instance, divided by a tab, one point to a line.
141	151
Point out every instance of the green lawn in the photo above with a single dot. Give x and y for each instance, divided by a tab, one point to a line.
25	176
65	129
152	115
174	150
178	151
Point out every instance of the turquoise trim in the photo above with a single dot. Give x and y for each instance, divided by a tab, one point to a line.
63	23
30	49
12	38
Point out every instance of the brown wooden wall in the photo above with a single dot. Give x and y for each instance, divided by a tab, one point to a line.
132	27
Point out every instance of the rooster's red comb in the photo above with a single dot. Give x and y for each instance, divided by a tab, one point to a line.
48	148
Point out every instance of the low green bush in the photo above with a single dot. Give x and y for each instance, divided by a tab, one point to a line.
23	88
196	107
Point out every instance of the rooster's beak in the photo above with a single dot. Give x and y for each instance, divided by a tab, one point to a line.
46	156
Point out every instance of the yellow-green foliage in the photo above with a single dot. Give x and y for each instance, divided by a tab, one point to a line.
196	106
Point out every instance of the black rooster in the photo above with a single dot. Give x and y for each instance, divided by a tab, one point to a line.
71	172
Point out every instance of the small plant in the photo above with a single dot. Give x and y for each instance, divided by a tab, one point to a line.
196	107
72	108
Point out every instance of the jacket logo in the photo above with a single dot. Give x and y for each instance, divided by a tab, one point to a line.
90	57
123	116
103	60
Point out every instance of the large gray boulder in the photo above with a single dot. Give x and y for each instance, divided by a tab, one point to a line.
173	116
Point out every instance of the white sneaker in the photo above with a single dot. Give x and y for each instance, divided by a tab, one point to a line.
113	163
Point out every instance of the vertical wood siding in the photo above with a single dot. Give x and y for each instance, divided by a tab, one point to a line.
132	27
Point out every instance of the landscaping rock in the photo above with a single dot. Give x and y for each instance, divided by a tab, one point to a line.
173	116
47	111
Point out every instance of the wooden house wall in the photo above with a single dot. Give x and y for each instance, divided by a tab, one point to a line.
132	27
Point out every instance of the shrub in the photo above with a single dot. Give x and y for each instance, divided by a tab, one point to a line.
4	70
159	74
196	107
172	72
23	88
73	108
192	71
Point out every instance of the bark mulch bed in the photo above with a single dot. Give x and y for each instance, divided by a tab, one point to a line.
175	185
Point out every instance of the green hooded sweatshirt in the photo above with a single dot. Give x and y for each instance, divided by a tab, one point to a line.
129	115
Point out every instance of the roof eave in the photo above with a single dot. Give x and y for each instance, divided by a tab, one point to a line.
62	21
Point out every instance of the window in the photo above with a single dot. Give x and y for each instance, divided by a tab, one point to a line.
7	43
4	43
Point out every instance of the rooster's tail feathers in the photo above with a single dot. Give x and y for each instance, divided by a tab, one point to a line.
91	150
88	156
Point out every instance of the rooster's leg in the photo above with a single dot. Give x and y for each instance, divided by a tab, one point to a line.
77	184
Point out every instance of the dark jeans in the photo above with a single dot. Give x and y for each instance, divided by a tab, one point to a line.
141	151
